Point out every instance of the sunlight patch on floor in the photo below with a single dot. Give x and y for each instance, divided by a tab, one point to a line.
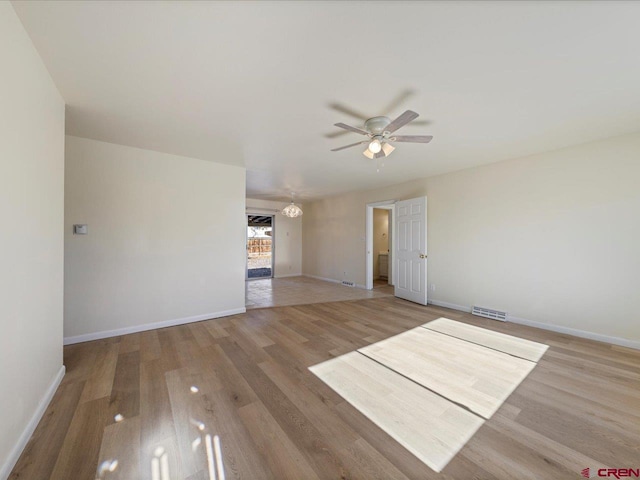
432	387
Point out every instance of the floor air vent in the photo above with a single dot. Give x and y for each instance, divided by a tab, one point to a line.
348	283
488	313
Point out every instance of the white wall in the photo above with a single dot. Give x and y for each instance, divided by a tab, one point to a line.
165	243
31	239
288	238
552	238
380	237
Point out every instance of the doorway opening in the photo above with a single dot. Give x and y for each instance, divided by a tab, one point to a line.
260	246
379	239
381	272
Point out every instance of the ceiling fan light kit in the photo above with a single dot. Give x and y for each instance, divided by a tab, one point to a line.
379	130
367	153
387	148
375	146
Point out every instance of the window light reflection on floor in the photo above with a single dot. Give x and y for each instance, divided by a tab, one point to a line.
195	444
213	448
160	465
108	466
214	457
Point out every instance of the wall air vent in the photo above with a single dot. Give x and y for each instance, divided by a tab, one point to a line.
347	283
488	313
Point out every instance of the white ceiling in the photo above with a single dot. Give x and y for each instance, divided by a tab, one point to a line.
497	80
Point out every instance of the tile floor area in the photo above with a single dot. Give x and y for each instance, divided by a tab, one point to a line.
280	292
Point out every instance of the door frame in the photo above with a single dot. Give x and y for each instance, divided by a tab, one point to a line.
246	243
385	205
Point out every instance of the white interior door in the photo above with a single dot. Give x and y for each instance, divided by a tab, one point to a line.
410	250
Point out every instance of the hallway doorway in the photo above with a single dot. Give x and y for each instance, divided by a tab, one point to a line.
381	248
380	271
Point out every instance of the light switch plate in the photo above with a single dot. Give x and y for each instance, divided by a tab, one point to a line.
80	229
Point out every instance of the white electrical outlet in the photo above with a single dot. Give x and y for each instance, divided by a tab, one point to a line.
432	287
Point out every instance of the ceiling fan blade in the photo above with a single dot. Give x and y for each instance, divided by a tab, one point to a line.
420	123
349	146
338	107
335	134
397	101
412	138
401	121
351	129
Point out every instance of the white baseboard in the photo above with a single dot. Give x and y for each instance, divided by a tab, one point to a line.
453	306
332	280
289	275
623	342
30	427
321	278
150	326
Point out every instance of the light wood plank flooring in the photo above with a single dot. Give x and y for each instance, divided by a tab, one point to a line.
579	408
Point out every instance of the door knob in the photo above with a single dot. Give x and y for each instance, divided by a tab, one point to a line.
423	256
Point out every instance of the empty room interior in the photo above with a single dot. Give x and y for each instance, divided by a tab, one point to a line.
319	240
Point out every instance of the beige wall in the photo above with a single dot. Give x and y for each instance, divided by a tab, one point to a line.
288	238
333	231
552	238
380	237
31	239
165	243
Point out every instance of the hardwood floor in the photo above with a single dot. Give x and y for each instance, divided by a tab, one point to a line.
245	380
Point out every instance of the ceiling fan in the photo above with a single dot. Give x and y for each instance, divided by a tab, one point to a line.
394	104
380	132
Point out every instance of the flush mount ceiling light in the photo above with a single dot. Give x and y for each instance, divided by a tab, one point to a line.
292	210
379	130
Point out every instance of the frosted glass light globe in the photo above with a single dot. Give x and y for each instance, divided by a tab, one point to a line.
375	146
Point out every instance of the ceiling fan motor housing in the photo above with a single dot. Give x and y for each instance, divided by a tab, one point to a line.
376	125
